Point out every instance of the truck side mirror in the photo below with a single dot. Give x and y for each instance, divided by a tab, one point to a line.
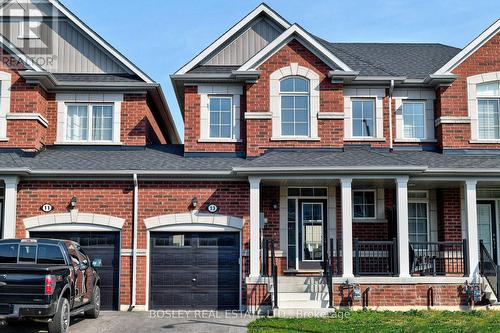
97	263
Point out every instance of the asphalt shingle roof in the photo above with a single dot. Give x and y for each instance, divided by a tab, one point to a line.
171	158
413	60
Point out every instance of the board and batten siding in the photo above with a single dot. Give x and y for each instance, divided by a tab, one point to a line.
247	44
71	50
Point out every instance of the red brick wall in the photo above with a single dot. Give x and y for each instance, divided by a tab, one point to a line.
24	98
449	215
192	114
269	196
259	132
452	100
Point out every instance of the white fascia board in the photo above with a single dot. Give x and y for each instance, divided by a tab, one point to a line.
329	169
99	40
262	8
479	41
282	39
20	55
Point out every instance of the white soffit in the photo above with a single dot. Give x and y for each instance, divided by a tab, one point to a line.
262	8
472	47
285	37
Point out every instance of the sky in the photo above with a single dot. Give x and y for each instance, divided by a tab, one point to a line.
160	36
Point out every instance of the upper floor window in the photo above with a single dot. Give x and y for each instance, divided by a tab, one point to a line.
89	122
363	118
488	108
294	93
220	109
414	119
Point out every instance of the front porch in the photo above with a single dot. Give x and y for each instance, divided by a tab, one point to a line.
392	230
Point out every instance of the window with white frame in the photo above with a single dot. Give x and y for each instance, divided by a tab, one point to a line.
363	118
221	115
364	204
294	97
418	217
414	119
488	108
87	122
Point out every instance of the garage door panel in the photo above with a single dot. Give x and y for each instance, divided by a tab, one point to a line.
102	245
195	270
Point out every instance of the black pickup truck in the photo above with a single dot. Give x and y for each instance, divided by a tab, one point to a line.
47	280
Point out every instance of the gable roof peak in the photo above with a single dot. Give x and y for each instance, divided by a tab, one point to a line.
263	8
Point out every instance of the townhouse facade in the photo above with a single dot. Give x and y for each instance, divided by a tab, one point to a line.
311	175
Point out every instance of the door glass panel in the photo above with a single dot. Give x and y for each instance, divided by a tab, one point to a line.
292	226
484	231
312	221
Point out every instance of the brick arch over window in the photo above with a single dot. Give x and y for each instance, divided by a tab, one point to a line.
274	83
74	217
194	218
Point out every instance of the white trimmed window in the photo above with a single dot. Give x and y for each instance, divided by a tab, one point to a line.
483	92
221	116
89	122
488	108
88	119
219	113
364	204
414	119
418	217
294	98
294	103
363	118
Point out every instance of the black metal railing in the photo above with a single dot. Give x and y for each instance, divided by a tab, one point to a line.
375	257
328	272
489	269
338	262
438	258
270	267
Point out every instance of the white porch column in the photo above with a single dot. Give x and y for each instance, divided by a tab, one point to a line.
10	206
254	226
346	197
403	239
471	218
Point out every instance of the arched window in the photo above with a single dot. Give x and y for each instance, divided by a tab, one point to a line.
295	106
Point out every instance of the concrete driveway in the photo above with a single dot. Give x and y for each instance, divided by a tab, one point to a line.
167	322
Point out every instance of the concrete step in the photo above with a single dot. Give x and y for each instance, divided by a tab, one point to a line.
302	297
301	280
301	312
302	304
299	288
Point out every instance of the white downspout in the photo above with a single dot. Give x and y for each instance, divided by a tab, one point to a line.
134	249
391	89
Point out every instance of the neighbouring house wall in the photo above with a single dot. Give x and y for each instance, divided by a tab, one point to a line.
114	198
453	101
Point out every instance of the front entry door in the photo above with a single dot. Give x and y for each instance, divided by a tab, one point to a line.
486	226
312	233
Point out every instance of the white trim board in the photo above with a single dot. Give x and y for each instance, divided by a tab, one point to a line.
472	47
295	31
262	8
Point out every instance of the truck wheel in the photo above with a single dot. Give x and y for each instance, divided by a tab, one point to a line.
61	320
96	302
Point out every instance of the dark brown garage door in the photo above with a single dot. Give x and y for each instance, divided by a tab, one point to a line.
103	245
194	270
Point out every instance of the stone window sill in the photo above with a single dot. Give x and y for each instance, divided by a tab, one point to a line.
402	140
87	143
209	140
485	141
365	139
294	138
